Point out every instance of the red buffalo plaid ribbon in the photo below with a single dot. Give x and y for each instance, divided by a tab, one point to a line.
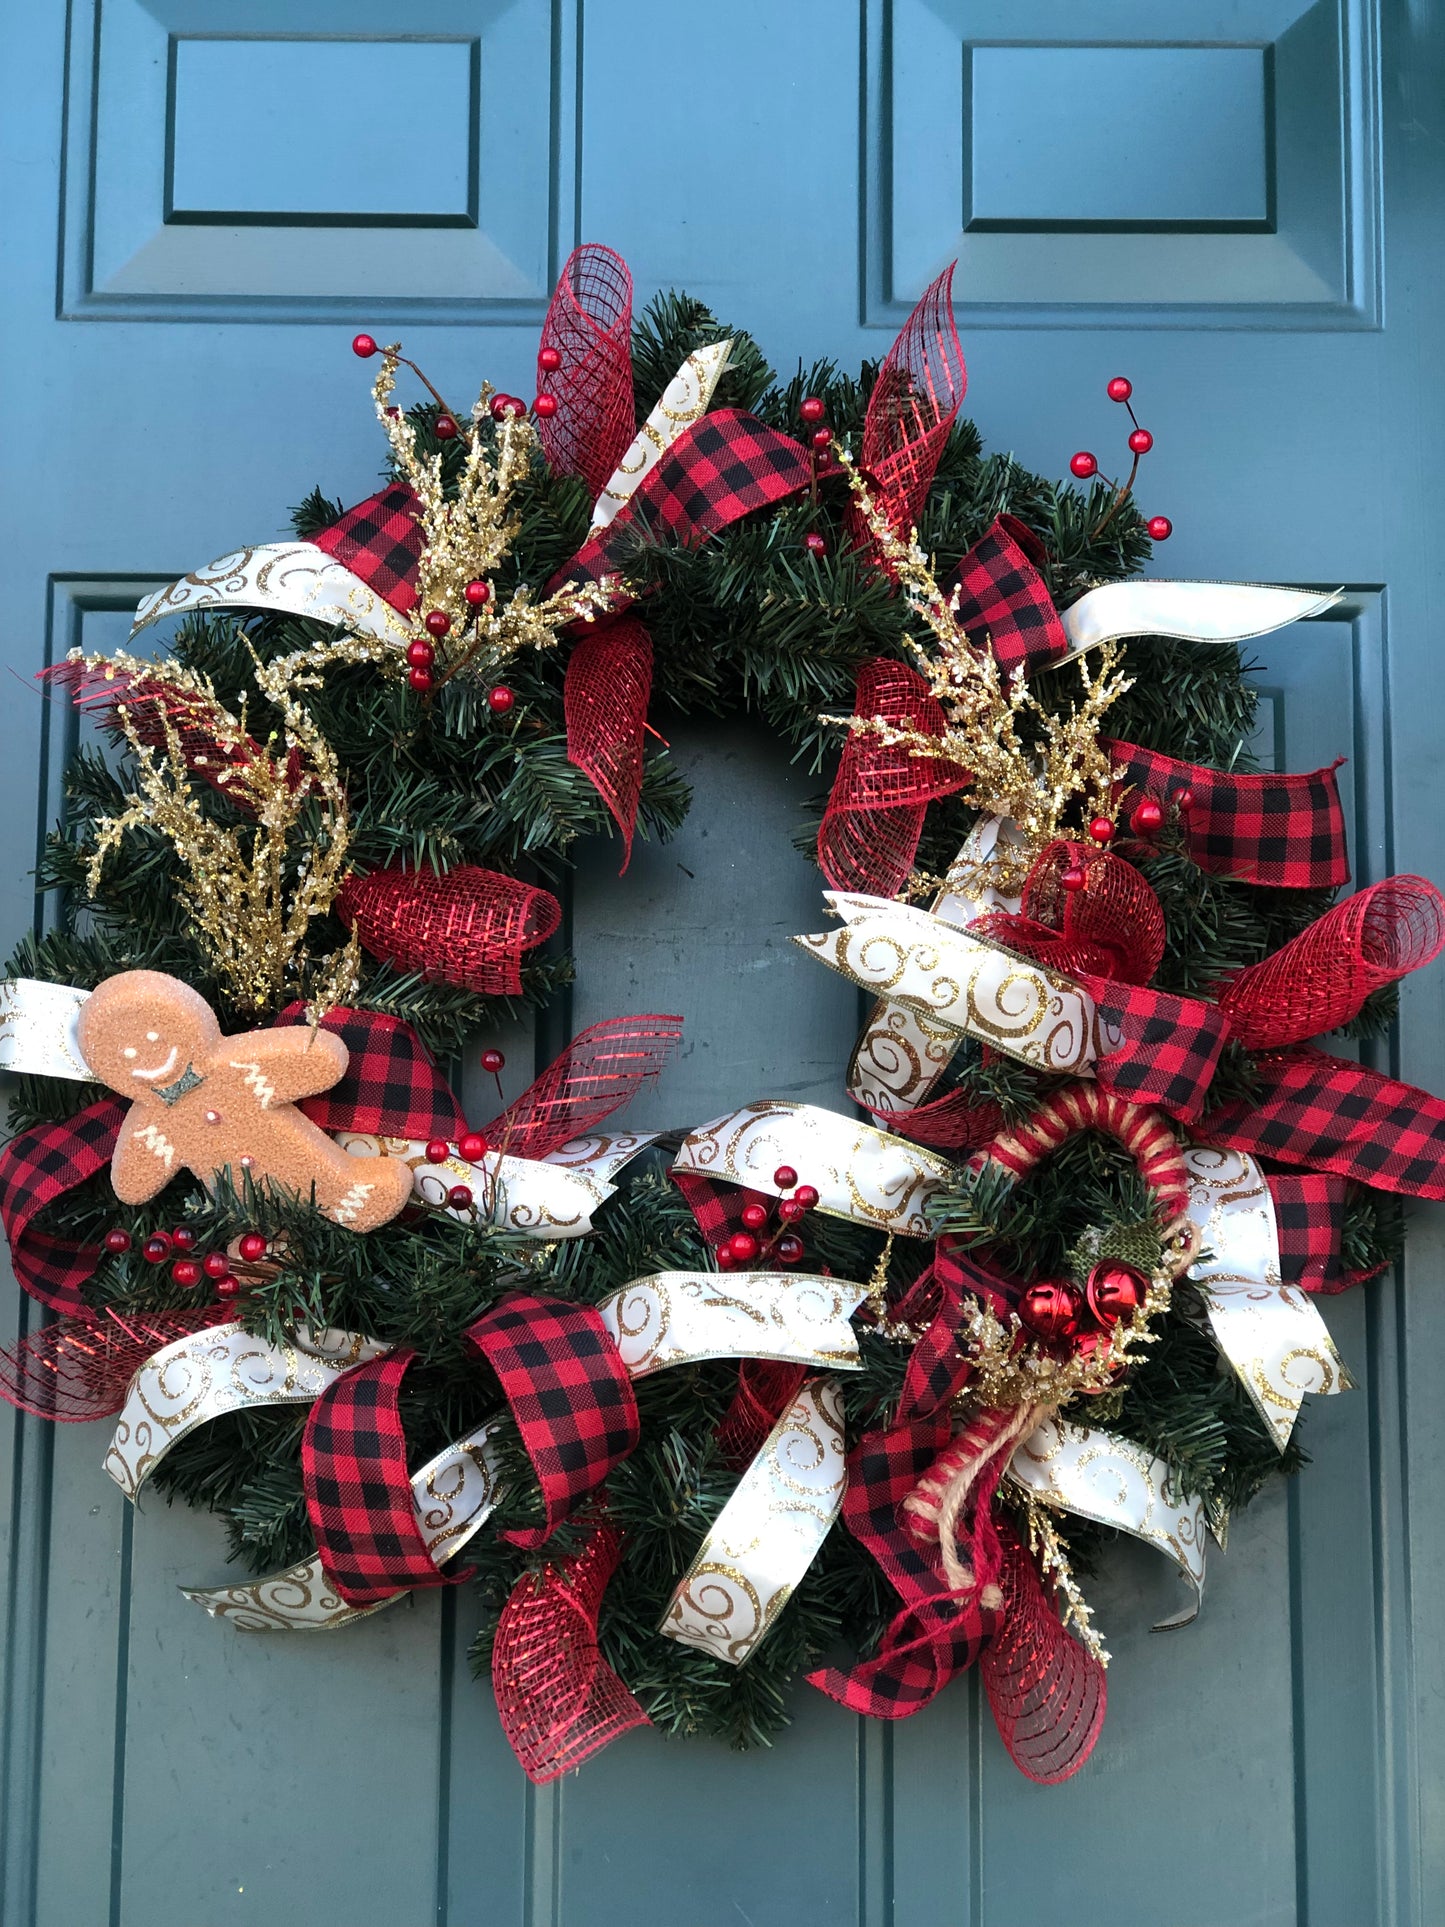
391	1087
1288	831
358	1490
1003	594
1329	1115
381	541
1309	1210
570	1394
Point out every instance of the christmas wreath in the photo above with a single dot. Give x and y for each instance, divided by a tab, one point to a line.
1059	1287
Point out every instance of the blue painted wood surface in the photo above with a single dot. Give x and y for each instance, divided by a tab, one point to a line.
172	380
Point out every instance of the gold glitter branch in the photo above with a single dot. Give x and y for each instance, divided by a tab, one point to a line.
251	923
1037	787
468	537
1048	1548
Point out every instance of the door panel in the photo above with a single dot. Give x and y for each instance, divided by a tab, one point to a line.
1196	199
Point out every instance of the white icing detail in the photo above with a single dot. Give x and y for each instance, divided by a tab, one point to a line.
350	1205
156	1141
257	1081
161	1070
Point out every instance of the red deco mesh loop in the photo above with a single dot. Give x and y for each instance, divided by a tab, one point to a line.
1048	1695
79	1367
1112	927
766	1388
1081	1106
467	928
870	830
609	679
1319	980
954	1122
599	1071
913	405
559	1700
589	323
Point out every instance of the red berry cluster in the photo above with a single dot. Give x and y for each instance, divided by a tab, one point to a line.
186	1269
762	1241
812	412
1085	465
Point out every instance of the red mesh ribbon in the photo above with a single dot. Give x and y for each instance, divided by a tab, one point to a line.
1112	926
914	403
358	1490
381	541
870	830
601	1069
79	1367
1048	1695
957	1121
766	1388
1326	1114
1287	831
1319	980
469	927
589	323
37	1167
609	679
150	702
391	1086
559	1700
570	1394
1004	601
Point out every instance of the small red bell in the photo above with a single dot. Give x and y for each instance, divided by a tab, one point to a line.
1050	1309
1115	1291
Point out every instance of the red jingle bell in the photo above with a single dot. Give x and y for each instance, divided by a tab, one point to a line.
1114	1291
1050	1309
1146	818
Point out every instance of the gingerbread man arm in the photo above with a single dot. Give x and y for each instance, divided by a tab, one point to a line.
283	1065
145	1160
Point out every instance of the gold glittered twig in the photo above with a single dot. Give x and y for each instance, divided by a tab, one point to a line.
1048	1548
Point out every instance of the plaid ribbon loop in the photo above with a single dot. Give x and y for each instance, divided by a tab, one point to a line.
358	1490
1004	601
391	1087
570	1394
381	541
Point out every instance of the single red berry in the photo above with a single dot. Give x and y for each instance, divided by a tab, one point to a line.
785	1177
437	1150
1102	830
501	700
392	412
822	440
815	544
755	1216
473	1146
789	1210
790	1248
156	1248
1084	464
460	1197
1074	878
477	592
227	1287
420	680
806	1195
1141	441
117	1241
364	346
1120	388
744	1247
549	360
1146	818
252	1247
445	428
811	409
184	1238
215	1264
420	654
492	1061
1160	528
725	1258
437	622
1184	800
186	1272
544	407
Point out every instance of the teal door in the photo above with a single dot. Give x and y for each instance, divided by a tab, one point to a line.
1235	203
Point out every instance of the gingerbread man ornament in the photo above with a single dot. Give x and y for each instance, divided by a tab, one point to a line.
201	1101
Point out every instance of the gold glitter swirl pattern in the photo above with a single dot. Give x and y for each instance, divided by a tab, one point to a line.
684	401
296	577
679	1317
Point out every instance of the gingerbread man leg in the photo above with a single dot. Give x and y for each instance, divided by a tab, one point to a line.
360	1193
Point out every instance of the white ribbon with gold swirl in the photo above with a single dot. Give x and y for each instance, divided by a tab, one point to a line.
1101	1476
1194	611
684	401
1034	1014
37	1028
902	1053
858	1172
679	1317
453	1496
223	1369
768	1533
551	1197
1271	1333
296	577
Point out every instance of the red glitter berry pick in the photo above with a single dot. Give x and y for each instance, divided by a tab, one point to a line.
187	1273
1084	464
437	1150
1073	878
420	680
815	544
420	654
1120	388
460	1197
156	1249
545	407
477	592
724	1257
501	700
1160	528
790	1249
790	1210
822	439
473	1146
183	1238
364	346
785	1177
744	1247
1184	800
437	622
227	1287
806	1195
755	1216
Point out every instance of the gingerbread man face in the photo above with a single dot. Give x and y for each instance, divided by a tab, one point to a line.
204	1102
